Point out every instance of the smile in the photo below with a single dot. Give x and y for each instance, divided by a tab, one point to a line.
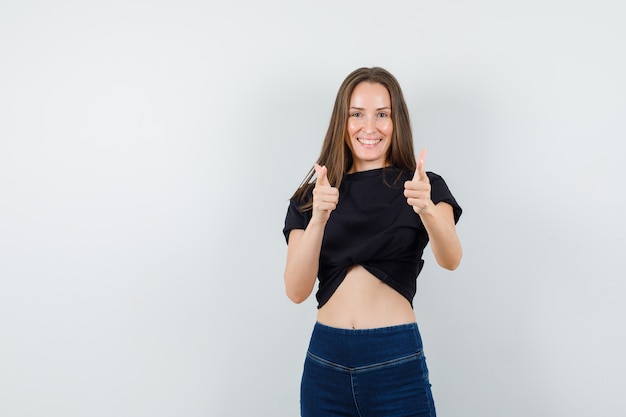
369	141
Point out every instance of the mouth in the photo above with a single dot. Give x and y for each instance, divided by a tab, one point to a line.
369	142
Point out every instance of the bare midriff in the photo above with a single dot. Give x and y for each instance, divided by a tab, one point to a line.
363	301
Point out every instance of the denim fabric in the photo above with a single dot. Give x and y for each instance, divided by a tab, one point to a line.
366	373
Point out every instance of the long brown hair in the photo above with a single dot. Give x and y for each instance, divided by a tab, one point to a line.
336	154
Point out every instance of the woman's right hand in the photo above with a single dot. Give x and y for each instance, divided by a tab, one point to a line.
325	197
303	249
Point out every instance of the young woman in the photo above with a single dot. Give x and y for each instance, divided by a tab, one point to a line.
360	228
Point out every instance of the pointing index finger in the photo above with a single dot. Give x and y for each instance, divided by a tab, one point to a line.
321	171
420	173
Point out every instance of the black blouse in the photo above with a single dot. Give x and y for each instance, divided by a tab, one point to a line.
373	226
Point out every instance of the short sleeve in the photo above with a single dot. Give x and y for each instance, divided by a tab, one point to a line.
295	219
439	192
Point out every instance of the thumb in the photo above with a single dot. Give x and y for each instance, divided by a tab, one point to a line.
321	171
420	173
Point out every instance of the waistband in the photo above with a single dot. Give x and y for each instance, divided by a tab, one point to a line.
362	347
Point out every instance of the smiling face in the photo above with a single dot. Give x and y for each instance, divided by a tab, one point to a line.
369	127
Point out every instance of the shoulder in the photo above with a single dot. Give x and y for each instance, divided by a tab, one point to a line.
437	181
433	176
303	196
439	192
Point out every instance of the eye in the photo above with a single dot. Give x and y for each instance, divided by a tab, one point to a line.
355	114
382	115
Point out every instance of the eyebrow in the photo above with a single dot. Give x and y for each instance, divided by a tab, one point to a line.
361	108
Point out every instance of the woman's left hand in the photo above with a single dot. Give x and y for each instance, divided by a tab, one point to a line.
417	191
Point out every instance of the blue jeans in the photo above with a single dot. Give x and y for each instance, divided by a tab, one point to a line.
366	373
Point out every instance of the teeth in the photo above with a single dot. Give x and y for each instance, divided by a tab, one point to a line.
369	141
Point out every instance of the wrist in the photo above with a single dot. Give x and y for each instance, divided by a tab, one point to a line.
317	222
428	210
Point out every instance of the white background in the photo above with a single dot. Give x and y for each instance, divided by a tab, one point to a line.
148	150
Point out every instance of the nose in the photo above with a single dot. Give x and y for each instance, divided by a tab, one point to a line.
370	125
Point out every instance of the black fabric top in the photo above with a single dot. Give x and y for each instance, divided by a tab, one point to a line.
373	226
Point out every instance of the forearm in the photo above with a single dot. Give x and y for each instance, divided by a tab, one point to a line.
303	261
444	241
